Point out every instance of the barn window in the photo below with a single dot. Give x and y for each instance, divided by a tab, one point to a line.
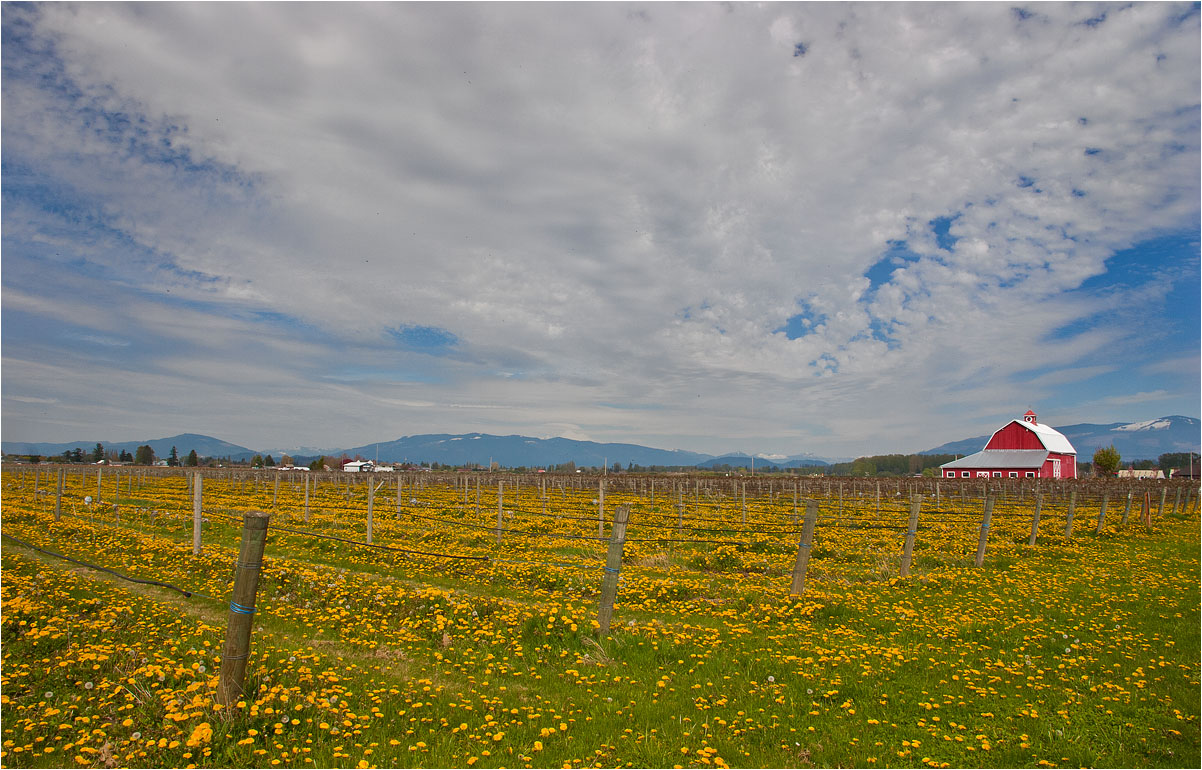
1014	474
1030	474
963	474
997	474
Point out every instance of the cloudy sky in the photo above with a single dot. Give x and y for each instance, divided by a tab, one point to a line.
781	228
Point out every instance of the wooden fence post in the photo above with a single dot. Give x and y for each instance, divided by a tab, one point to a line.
500	508
802	565
58	496
371	502
1127	510
1072	509
911	534
601	508
307	498
242	607
613	567
1164	493
99	477
1035	518
197	501
1146	514
984	538
1177	502
1102	513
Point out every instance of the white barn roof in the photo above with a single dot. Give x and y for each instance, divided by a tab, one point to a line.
1052	439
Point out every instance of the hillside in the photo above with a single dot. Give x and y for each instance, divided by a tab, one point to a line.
205	446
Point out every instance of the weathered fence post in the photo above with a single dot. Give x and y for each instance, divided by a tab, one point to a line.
1035	519
1102	513
371	502
99	472
1072	509
601	508
242	607
802	564
1177	502
911	534
613	567
1127	510
500	508
197	500
307	498
58	496
1164	493
984	538
1146	514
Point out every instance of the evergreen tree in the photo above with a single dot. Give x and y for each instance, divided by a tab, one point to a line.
98	453
173	458
144	455
192	460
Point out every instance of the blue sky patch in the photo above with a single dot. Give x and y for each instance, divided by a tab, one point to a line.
942	226
802	324
898	255
424	339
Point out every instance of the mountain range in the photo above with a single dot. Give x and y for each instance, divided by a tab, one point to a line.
1134	441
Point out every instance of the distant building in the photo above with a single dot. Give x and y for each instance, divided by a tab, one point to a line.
1020	449
1131	473
358	466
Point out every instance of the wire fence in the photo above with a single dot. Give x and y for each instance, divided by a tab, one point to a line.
539	533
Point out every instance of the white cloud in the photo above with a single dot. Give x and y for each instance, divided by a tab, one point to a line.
608	206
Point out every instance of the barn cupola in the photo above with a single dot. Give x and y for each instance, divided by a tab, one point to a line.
1029	417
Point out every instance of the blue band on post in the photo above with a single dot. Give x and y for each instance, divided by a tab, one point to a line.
238	609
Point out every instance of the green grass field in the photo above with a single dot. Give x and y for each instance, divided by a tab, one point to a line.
1079	651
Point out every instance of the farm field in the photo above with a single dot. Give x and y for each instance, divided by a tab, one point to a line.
465	635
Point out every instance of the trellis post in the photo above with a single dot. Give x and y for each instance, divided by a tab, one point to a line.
601	507
613	567
802	564
307	480
1102	513
911	534
500	508
371	502
58	496
984	537
242	607
197	501
1072	509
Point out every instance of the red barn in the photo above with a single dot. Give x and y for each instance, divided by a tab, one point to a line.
1020	449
